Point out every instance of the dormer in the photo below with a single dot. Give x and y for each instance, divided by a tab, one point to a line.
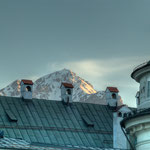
66	92
112	96
26	89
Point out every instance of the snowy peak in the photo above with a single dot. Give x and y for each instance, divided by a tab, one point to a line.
12	89
48	87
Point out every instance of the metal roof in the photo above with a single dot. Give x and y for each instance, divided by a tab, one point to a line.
50	122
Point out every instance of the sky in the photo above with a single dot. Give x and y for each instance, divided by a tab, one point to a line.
100	40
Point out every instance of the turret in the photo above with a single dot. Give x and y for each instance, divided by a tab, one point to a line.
137	124
142	75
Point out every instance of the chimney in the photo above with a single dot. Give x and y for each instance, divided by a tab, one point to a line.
66	92
112	96
26	89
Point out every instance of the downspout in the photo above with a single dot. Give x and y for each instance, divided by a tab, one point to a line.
132	147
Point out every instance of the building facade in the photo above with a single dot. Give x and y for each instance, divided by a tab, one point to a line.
137	124
38	124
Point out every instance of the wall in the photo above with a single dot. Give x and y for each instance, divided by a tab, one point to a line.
120	140
144	99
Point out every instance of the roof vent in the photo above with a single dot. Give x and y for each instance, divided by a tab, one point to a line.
26	89
66	92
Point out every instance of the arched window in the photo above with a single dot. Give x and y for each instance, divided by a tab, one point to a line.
68	92
119	114
114	96
28	88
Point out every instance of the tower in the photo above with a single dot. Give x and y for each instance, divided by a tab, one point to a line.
142	75
138	124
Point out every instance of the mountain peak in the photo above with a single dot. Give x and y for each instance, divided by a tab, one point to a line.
48	87
53	81
65	70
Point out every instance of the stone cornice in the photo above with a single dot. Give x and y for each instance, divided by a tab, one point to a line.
137	74
137	124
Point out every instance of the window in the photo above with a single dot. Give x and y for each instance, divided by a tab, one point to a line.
114	96
119	114
148	89
28	89
68	92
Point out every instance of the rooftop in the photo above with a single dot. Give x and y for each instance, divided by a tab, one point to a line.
49	123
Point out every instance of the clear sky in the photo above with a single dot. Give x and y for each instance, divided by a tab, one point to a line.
100	40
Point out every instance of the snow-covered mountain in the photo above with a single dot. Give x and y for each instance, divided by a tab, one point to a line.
48	87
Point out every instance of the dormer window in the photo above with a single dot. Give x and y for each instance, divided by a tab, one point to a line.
119	114
28	89
68	92
114	96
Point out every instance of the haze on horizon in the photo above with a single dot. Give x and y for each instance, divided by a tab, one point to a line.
100	40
